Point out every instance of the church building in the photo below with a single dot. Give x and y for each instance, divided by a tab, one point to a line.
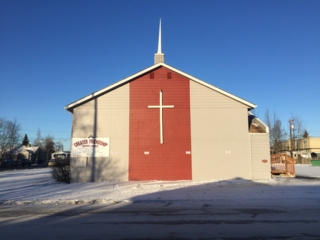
164	124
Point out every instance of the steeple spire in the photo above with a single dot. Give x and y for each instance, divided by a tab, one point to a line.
159	56
159	42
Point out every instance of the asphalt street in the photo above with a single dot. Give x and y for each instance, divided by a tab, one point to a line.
220	219
289	216
17	168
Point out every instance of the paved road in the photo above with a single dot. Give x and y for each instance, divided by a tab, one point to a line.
284	219
33	166
230	218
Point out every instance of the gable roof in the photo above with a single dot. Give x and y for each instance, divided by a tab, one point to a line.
73	105
22	148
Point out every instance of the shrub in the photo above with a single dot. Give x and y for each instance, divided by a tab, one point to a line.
61	170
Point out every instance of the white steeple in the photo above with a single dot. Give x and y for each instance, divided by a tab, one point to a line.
159	56
159	42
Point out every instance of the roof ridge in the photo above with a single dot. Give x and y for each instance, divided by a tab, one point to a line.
155	66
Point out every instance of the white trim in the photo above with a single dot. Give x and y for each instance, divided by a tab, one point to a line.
211	86
123	81
111	86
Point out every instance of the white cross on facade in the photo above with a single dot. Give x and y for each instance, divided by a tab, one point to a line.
161	107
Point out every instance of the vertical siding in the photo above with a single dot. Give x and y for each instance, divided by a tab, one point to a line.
167	161
218	124
107	116
260	150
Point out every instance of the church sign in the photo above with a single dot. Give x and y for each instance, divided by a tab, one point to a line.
90	147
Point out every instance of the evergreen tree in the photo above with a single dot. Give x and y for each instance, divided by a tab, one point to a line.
305	134
25	140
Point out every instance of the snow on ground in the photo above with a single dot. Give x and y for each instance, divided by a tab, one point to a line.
37	186
307	170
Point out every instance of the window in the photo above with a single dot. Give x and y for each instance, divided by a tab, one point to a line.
169	75
152	75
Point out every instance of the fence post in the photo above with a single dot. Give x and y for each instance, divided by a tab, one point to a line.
286	162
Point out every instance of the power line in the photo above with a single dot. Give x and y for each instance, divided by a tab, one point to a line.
42	120
59	139
46	131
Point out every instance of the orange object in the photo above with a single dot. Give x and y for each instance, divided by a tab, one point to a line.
282	163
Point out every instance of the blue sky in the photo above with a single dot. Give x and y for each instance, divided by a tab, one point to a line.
56	52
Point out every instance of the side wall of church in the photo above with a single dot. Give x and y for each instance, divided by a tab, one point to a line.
260	150
219	132
104	117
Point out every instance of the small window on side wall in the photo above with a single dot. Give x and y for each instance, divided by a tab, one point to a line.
152	75
169	75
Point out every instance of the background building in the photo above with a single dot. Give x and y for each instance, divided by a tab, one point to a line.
308	145
34	154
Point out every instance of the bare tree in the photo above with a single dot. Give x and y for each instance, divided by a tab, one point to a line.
299	127
275	128
9	136
3	137
2	123
49	145
268	122
59	146
15	136
298	131
277	132
39	141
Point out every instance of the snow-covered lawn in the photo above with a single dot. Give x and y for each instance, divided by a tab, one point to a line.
307	170
37	186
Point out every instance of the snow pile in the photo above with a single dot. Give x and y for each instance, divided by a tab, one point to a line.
36	186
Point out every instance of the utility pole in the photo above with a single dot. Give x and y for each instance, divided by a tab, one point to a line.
291	136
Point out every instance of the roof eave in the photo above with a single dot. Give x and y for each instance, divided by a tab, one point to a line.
249	104
123	81
70	107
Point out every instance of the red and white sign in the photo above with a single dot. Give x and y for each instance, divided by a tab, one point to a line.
90	147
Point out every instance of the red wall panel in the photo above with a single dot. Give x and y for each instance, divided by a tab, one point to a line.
167	161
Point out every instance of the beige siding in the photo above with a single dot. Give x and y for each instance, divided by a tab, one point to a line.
218	124
260	150
314	144
107	116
